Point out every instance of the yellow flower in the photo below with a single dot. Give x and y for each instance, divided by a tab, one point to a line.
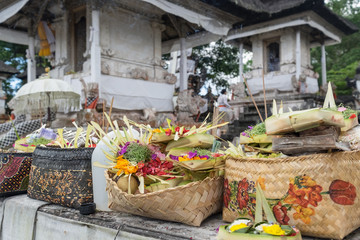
274	230
303	213
156	130
124	166
184	158
307	181
261	181
237	227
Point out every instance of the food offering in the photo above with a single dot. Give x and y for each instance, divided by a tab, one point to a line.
270	228
143	173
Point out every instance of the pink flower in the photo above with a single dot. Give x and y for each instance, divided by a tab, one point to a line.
341	109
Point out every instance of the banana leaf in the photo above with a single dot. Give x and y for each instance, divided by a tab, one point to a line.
162	137
350	123
201	140
315	118
197	165
223	234
24	146
262	138
163	185
179	151
278	124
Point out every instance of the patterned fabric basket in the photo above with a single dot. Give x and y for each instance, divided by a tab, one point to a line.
61	176
14	173
189	204
317	193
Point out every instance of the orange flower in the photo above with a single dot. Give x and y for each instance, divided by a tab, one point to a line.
304	214
307	193
124	166
296	196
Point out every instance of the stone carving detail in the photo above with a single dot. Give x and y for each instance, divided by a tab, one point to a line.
105	68
188	106
138	73
149	116
59	62
170	78
107	52
238	90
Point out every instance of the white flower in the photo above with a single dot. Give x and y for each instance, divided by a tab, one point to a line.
259	228
239	221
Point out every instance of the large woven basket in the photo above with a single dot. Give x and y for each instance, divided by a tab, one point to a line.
317	193
189	204
61	175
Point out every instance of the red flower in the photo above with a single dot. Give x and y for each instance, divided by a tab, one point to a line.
352	116
341	192
227	192
177	129
314	195
280	213
168	132
243	195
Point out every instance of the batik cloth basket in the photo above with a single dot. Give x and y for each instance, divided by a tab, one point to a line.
61	176
14	173
189	204
317	193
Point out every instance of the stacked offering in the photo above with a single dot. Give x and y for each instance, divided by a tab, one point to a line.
170	165
315	188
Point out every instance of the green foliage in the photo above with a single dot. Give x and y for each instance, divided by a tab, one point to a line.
256	130
220	62
341	58
136	153
338	77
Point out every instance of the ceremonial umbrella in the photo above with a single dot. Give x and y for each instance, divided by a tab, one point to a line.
45	93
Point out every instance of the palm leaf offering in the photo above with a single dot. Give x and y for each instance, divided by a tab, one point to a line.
61	138
243	228
139	164
293	132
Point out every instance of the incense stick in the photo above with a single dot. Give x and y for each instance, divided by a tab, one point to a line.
264	93
252	98
103	116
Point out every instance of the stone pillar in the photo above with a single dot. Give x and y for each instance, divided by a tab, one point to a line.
3	77
157	61
298	54
173	62
95	53
183	66
241	64
31	63
323	65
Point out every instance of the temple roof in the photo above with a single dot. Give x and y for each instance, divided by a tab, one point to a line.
232	13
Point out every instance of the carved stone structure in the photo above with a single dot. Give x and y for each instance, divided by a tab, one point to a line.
188	106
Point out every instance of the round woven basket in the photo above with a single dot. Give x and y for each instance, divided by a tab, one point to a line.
317	193
189	204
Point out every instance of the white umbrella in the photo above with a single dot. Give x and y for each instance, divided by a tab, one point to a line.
45	93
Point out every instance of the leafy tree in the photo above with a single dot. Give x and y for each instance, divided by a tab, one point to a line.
341	58
219	61
13	55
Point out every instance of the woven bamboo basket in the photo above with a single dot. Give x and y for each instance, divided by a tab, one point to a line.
317	193
189	204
